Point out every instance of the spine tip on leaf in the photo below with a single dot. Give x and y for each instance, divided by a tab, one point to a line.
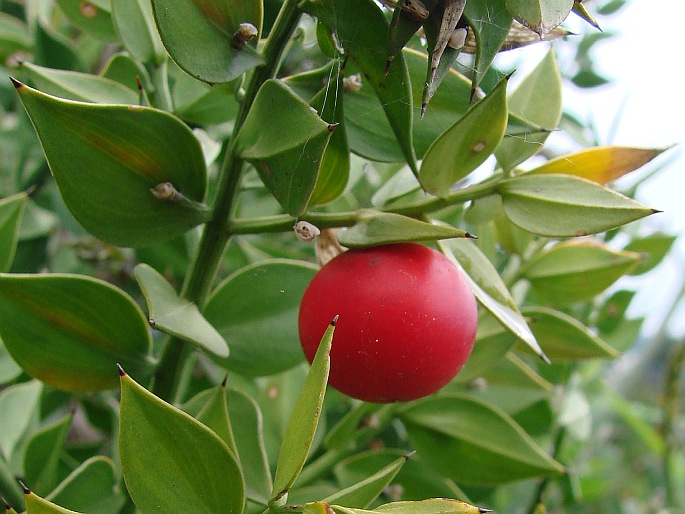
335	321
469	235
223	382
16	83
544	358
121	370
24	488
409	455
4	502
483	511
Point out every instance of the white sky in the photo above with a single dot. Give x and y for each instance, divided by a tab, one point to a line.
645	63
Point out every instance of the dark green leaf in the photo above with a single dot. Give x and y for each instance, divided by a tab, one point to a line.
359	425
15	37
176	316
210	54
91	487
248	430
612	312
474	443
93	17
170	461
11	210
304	419
125	70
565	206
334	171
652	249
135	25
415	478
449	103
564	337
18	405
54	50
69	330
9	370
201	104
534	111
374	228
41	458
285	141
214	414
493	341
490	22
466	144
361	29
107	158
362	493
577	271
407	19
261	327
589	78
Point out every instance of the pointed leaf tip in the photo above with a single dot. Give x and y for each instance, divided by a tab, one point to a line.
409	455
24	488
122	373
16	83
483	511
223	382
544	358
335	320
7	505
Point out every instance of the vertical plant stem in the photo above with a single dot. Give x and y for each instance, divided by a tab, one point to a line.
160	81
542	486
215	236
671	403
9	487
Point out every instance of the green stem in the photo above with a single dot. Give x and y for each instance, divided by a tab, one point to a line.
671	404
542	486
9	487
160	81
284	223
216	236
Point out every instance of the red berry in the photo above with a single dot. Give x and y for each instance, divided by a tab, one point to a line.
407	321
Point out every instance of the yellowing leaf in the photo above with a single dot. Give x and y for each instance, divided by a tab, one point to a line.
602	164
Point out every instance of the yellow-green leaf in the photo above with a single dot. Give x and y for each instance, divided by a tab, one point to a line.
170	313
566	206
466	144
304	419
576	271
601	164
171	461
